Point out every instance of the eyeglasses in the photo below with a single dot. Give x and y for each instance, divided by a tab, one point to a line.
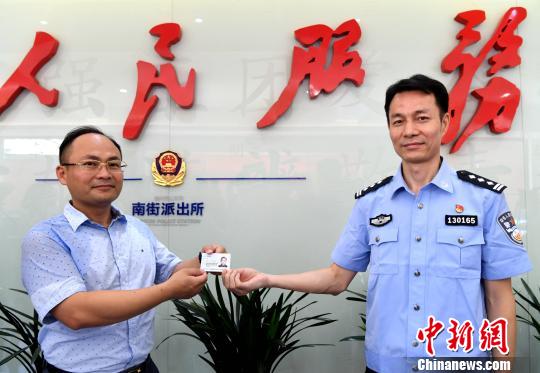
95	165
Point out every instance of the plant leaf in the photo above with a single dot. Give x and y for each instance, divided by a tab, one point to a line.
242	334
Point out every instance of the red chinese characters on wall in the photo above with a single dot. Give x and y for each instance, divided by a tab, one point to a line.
148	76
499	99
324	58
24	77
323	75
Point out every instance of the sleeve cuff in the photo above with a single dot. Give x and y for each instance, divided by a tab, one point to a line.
508	269
169	269
48	297
349	263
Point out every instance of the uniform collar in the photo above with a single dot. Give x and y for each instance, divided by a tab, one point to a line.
76	218
443	179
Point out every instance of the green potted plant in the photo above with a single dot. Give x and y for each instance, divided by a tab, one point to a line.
19	337
358	297
529	298
241	333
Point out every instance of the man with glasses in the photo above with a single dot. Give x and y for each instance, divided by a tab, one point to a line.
94	275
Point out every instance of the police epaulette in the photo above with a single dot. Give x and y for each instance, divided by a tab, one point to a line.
480	181
373	187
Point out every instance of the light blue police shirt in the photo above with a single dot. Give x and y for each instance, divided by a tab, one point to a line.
422	263
68	254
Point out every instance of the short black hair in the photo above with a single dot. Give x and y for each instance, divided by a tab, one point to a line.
79	131
421	83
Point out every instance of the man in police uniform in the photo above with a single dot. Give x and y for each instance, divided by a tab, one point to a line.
438	243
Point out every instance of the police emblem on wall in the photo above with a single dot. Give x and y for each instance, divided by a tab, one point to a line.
168	169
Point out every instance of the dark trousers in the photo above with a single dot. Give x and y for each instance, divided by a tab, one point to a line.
147	366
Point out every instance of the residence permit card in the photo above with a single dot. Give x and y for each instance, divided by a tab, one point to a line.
215	262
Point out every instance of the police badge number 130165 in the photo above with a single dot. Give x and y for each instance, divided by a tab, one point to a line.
470	220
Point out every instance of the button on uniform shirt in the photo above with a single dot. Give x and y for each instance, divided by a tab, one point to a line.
427	255
68	254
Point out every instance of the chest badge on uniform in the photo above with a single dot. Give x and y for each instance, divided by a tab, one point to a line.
508	224
469	220
459	208
382	219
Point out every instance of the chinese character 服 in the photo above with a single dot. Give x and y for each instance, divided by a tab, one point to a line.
323	75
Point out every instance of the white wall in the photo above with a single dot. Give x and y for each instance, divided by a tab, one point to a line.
338	142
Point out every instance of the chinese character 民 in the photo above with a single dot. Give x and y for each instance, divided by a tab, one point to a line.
499	99
323	75
148	76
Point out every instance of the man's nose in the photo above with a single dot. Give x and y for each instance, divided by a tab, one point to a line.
410	128
103	171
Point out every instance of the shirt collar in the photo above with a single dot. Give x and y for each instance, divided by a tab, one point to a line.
442	180
444	177
76	218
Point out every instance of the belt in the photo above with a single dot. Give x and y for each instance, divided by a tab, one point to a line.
138	368
134	369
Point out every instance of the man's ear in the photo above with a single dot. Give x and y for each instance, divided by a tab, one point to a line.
445	123
61	174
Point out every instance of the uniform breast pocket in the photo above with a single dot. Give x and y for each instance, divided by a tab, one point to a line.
384	254
460	249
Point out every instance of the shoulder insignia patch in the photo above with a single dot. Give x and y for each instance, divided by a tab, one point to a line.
480	181
373	187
